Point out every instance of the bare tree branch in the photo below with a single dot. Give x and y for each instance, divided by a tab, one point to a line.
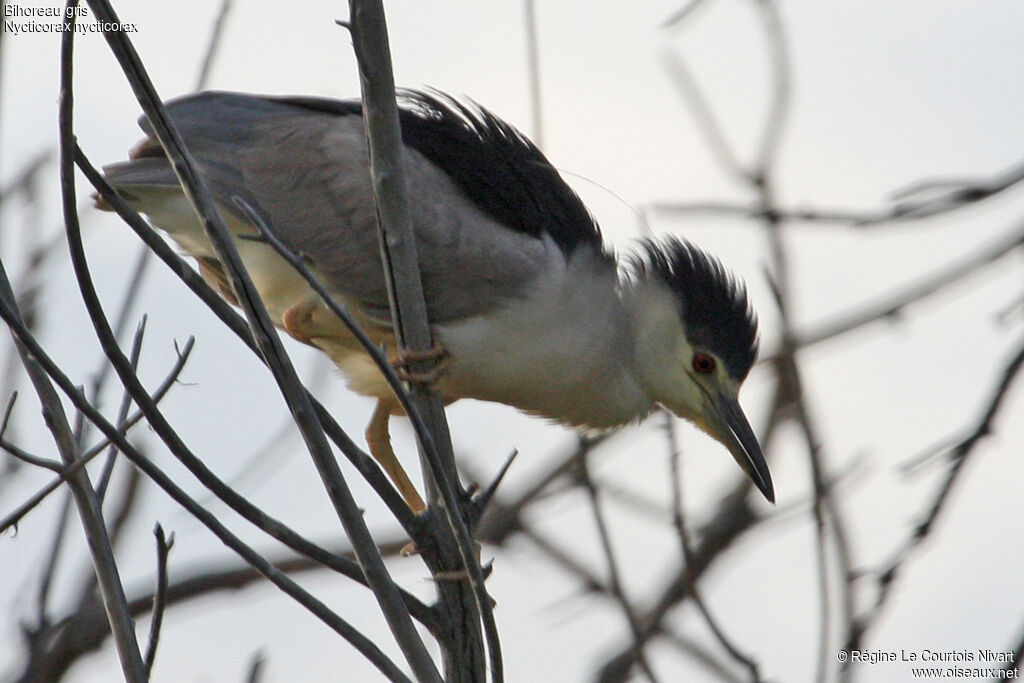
958	455
615	583
679	521
387	594
163	549
469	605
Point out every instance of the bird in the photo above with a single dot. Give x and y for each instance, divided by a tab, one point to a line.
527	304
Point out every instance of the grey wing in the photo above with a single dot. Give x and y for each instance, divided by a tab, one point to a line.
306	172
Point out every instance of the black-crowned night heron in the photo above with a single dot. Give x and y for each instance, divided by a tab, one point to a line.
529	306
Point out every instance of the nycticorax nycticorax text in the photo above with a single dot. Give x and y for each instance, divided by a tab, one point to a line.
530	307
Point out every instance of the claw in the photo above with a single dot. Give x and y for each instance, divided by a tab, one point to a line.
407	356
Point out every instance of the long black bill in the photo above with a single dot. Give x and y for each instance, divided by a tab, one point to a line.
735	433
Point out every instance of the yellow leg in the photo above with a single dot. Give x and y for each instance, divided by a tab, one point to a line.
379	440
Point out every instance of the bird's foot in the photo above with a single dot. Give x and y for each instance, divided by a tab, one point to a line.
298	321
406	357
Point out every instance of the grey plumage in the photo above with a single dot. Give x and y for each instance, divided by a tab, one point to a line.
532	309
305	170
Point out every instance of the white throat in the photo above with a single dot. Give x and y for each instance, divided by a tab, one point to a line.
571	357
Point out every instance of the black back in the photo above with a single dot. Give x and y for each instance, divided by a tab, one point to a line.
497	167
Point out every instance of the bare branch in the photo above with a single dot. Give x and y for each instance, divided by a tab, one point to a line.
958	455
615	583
219	24
163	550
679	521
470	606
66	472
909	204
393	607
367	648
926	286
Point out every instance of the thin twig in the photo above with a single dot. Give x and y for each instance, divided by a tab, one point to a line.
891	305
89	508
959	454
219	24
126	399
255	671
733	517
366	647
163	550
533	71
412	331
704	117
366	466
679	521
123	427
388	597
615	581
965	193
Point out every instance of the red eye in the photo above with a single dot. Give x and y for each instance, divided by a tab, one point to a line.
703	363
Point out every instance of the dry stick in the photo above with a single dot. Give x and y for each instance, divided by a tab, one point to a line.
126	399
924	287
679	521
219	24
825	511
202	579
504	518
228	495
50	566
781	74
967	193
163	550
703	116
119	517
959	454
377	354
66	472
615	583
702	655
388	597
69	639
29	458
365	646
90	509
366	466
533	71
88	505
681	14
733	518
412	330
255	667
224	492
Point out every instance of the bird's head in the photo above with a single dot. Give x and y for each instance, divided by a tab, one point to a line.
696	341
